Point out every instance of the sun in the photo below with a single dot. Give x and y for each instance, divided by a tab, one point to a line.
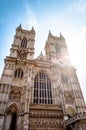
77	54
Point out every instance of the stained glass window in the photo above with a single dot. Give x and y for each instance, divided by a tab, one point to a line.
42	89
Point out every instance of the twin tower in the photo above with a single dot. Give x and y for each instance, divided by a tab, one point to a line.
42	93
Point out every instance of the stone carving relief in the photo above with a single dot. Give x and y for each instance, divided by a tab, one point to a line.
29	71
48	114
68	97
13	109
15	93
22	54
70	111
45	123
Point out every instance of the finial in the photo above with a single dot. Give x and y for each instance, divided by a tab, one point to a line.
61	36
49	35
41	53
50	32
32	29
19	27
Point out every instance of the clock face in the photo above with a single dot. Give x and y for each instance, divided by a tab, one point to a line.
61	61
57	60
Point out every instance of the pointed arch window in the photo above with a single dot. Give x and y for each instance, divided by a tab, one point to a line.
18	73
24	43
42	89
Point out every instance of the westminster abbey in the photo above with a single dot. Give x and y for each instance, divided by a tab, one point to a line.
40	93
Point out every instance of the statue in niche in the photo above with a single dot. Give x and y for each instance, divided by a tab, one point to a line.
15	94
68	97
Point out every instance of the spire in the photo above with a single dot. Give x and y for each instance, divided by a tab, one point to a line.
41	53
61	36
19	27
49	34
32	30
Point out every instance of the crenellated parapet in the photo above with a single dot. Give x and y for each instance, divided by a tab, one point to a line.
54	39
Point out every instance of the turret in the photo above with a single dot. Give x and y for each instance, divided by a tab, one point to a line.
23	44
56	49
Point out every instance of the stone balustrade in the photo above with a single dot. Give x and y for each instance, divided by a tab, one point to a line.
74	118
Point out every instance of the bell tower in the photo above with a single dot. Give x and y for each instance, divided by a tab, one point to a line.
15	82
56	50
23	45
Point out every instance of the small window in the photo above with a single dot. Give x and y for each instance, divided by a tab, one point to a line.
24	43
18	73
64	78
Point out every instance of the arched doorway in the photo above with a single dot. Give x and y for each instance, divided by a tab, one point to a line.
11	118
13	121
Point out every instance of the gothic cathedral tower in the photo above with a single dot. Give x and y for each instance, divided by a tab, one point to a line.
42	93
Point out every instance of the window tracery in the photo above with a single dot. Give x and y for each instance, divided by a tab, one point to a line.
18	73
24	43
42	89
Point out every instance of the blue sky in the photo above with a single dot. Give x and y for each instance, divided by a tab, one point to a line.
65	16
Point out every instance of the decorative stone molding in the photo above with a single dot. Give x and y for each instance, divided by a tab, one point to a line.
68	97
45	123
76	117
22	54
47	106
15	93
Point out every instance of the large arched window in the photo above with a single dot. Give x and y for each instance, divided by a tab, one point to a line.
18	73
24	43
42	89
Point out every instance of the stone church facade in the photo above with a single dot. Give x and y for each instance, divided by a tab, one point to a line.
42	93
